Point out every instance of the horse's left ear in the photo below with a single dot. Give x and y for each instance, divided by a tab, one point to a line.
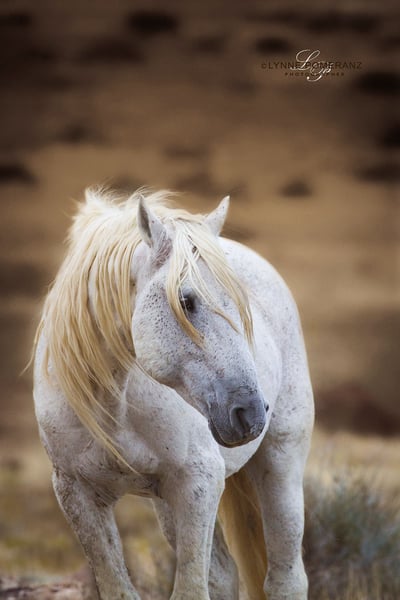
152	231
216	219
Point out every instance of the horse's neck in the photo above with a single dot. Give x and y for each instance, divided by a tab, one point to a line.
138	383
109	401
142	392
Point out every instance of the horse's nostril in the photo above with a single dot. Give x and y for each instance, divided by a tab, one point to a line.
248	421
240	420
266	408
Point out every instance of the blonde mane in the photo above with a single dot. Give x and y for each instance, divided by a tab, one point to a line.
86	319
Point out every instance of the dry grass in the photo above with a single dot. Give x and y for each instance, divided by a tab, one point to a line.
352	540
352	537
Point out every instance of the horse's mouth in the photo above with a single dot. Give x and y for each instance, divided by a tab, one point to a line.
229	443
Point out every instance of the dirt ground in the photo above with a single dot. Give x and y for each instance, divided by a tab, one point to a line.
194	97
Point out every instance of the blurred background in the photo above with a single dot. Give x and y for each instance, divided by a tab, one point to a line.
196	97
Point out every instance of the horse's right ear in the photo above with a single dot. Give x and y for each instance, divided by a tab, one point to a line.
152	231
216	219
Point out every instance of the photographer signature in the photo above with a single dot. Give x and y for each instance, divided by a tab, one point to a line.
306	61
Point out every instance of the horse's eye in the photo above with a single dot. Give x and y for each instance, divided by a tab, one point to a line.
187	302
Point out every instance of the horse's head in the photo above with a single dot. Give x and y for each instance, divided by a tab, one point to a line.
187	323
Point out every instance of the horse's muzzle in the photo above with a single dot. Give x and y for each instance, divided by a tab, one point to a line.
242	421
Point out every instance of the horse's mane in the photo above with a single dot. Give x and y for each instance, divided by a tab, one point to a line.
86	319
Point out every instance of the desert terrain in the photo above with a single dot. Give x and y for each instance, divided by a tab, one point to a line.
196	97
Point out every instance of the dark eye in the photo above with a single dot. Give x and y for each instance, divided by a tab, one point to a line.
187	302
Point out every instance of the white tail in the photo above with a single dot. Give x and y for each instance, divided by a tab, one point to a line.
240	517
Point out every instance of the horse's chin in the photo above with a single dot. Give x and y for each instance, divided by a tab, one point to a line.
223	442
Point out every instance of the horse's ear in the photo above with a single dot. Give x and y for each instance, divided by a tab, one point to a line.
216	219
152	231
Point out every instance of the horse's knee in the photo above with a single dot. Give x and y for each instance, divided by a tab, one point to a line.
288	584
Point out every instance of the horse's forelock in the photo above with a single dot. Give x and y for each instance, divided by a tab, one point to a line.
194	241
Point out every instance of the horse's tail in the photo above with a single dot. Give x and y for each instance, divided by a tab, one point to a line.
240	516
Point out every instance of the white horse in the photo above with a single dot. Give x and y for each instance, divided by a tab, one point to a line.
168	360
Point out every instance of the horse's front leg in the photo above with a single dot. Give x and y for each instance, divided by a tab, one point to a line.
223	576
277	472
192	492
92	519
